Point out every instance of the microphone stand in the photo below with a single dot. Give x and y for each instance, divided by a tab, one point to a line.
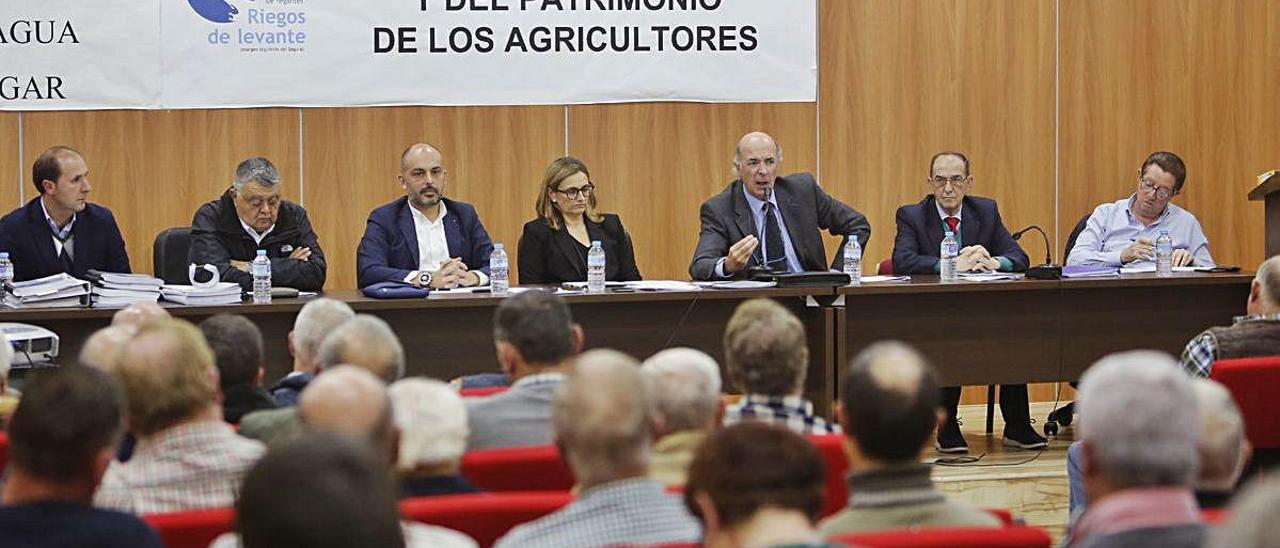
1048	270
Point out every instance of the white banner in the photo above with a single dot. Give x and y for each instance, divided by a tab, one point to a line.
247	53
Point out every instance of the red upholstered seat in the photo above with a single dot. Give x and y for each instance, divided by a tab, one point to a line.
485	517
1254	383
536	468
482	391
4	450
194	529
1215	516
886	268
836	490
968	537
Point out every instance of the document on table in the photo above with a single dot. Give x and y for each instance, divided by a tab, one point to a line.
1151	269
878	279
738	284
989	276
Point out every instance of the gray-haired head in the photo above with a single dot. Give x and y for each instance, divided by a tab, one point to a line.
256	170
602	418
365	341
432	421
315	321
1134	411
1223	449
1268	282
686	389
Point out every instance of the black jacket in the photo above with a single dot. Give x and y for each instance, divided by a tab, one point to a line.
217	238
26	235
549	256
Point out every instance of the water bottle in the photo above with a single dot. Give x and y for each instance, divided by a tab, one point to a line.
950	251
261	270
1164	255
499	282
853	260
6	271
595	268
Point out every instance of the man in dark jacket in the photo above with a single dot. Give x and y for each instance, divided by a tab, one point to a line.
237	351
251	215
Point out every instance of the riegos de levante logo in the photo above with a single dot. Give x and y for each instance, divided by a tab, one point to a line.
262	26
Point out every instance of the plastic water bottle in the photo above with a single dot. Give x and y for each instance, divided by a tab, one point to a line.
6	271
595	268
261	270
949	253
1164	255
853	260
499	280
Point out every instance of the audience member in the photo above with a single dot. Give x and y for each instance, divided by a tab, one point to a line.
756	484
316	319
685	387
133	316
535	339
350	400
187	458
1138	456
1252	519
432	422
99	350
1255	334
60	443
767	358
237	350
889	408
603	426
8	396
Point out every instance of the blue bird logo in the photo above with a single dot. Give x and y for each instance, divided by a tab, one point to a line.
215	11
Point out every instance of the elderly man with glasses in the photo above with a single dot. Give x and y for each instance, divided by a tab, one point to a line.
1123	233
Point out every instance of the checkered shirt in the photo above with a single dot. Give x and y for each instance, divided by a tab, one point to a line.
794	412
1199	355
634	511
187	467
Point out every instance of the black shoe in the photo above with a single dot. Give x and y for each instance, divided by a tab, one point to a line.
1024	436
950	440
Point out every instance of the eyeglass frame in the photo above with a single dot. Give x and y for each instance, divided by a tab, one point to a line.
953	181
1150	186
584	191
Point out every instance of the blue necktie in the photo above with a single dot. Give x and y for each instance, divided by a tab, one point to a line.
775	254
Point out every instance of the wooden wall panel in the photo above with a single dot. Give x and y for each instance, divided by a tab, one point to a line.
10	170
495	157
656	163
155	168
1196	77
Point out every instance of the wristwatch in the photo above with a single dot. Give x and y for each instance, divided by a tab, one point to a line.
424	278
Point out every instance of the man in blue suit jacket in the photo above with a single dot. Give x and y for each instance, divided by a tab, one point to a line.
985	245
424	239
59	230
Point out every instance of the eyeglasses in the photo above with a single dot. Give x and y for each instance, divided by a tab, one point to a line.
954	180
574	193
1161	192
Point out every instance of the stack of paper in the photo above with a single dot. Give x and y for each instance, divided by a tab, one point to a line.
1084	271
56	291
222	293
116	289
988	276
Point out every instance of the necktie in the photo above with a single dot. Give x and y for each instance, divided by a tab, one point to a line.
775	254
65	259
952	223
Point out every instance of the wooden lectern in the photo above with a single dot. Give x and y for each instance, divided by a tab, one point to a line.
1268	190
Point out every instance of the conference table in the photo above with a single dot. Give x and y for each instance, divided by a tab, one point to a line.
975	333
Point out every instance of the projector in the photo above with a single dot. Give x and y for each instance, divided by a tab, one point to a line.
32	345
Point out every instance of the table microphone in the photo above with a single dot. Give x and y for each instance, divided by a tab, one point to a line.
1048	270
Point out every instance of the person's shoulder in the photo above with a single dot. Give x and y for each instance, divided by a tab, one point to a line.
611	222
292	209
15	217
982	202
463	209
537	226
389	209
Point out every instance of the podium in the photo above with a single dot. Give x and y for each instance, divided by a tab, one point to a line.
1268	191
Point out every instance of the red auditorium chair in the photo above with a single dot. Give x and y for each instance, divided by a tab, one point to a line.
194	529
1254	382
966	537
484	517
4	450
482	391
536	468
1215	516
836	490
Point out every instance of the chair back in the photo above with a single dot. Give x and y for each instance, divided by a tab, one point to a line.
836	490
193	529
536	468
169	255
1075	234
1254	383
484	517
4	451
885	268
958	537
481	391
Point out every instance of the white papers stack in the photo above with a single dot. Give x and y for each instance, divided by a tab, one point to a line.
56	291
741	284
1151	269
222	293
115	289
877	279
988	276
662	285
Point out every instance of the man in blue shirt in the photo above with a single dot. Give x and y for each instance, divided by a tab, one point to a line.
1124	232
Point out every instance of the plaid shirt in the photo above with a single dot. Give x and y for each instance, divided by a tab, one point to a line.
635	511
187	467
794	412
1202	351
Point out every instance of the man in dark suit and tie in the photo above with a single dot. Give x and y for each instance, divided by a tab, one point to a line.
425	239
986	245
783	213
59	230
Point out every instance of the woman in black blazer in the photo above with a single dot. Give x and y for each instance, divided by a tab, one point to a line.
553	247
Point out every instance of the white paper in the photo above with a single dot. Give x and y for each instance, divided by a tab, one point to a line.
878	279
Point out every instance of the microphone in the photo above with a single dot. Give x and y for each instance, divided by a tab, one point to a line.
1048	270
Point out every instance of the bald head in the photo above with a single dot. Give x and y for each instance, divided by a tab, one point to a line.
136	314
602	418
890	401
100	349
364	341
168	374
1264	298
418	151
348	400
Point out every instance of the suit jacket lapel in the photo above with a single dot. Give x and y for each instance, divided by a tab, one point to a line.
453	237
745	218
934	230
568	247
42	235
409	232
970	225
790	219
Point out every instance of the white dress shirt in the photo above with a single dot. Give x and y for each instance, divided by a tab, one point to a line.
433	247
257	238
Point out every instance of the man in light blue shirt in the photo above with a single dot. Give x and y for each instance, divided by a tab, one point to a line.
1123	233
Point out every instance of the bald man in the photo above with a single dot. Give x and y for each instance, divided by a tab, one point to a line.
349	400
425	239
764	220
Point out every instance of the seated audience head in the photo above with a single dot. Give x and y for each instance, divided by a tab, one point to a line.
533	331
237	348
432	421
889	404
133	316
319	490
349	400
567	188
63	435
364	341
1224	450
101	347
1253	516
256	193
1264	292
1135	408
756	484
317	319
686	390
765	350
602	418
169	377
